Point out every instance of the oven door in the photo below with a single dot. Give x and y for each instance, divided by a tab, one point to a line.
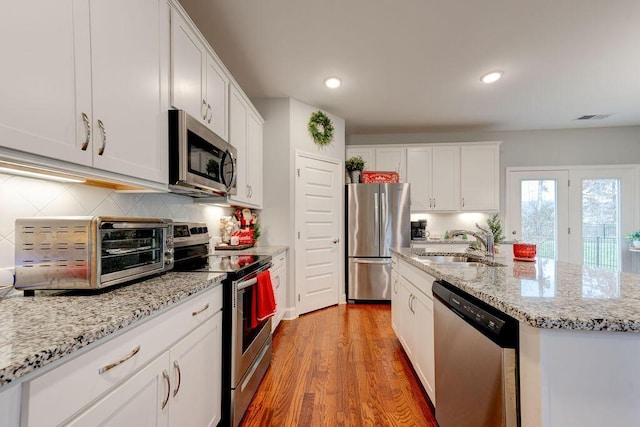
246	340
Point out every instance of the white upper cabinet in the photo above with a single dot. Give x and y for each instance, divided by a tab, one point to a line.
392	159
103	97
388	159
434	176
245	134
198	83
42	109
450	177
480	177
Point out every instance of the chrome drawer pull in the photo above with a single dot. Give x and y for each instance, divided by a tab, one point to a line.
110	366
177	367
87	125
195	313
166	398
204	108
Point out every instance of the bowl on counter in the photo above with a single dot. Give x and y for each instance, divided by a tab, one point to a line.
524	251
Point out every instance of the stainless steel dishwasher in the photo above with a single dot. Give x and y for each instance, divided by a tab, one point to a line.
476	350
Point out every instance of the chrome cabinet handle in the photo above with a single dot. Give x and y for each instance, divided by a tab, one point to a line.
177	368
87	126
204	108
104	137
463	202
210	113
195	313
166	398
277	282
110	366
430	202
434	202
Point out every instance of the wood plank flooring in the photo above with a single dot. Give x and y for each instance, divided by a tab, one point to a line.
340	366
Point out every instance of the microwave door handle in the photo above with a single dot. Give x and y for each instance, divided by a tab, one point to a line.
232	181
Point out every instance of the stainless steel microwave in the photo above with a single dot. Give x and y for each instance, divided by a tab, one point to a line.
201	164
90	252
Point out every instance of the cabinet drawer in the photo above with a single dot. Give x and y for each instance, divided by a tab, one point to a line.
421	280
279	260
58	394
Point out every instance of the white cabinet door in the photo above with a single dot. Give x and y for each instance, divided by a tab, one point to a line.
141	401
245	134
480	177
396	309
198	83
392	160
419	175
279	282
446	178
188	64
238	138
46	78
129	114
424	352
368	154
406	318
196	383
254	154
217	97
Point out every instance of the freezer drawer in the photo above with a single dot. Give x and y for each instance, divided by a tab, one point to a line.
369	279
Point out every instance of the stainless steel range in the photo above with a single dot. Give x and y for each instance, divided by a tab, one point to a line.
246	349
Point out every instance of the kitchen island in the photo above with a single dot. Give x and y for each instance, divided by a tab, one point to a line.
578	335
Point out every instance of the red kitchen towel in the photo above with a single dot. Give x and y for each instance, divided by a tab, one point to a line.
264	302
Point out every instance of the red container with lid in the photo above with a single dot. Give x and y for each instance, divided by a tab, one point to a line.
524	251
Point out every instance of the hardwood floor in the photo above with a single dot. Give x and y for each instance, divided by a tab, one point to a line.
340	366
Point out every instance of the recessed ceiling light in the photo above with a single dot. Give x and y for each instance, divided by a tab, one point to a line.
491	77
332	82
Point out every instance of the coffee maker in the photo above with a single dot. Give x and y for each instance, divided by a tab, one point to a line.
419	229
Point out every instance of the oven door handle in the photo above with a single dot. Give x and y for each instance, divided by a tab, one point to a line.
247	284
250	282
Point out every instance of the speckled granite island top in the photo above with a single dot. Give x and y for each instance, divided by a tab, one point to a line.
35	331
547	293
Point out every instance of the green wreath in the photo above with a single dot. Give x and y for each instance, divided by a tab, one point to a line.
320	128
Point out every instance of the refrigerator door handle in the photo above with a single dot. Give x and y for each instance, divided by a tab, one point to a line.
371	261
376	214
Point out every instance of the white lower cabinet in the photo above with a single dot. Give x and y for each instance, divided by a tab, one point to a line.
166	371
395	295
279	281
414	328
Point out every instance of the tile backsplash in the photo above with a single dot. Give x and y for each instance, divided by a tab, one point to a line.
25	197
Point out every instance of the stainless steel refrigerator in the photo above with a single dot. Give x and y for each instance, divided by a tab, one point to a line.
377	219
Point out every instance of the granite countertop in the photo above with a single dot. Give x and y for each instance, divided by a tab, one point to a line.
256	250
547	293
35	331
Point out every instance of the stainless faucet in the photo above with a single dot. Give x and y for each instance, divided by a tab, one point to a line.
486	238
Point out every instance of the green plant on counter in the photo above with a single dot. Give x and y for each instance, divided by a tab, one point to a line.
355	163
495	225
633	236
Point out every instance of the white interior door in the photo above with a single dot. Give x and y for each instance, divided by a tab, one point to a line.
319	206
538	210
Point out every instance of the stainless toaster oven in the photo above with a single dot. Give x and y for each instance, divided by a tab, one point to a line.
90	252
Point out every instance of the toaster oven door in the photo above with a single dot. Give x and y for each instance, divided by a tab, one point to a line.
129	250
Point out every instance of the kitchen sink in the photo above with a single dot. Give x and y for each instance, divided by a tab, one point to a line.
454	260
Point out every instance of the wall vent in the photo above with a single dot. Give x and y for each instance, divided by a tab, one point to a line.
593	117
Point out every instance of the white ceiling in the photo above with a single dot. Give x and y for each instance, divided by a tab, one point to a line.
414	65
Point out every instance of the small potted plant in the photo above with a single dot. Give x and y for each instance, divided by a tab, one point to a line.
634	238
354	166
